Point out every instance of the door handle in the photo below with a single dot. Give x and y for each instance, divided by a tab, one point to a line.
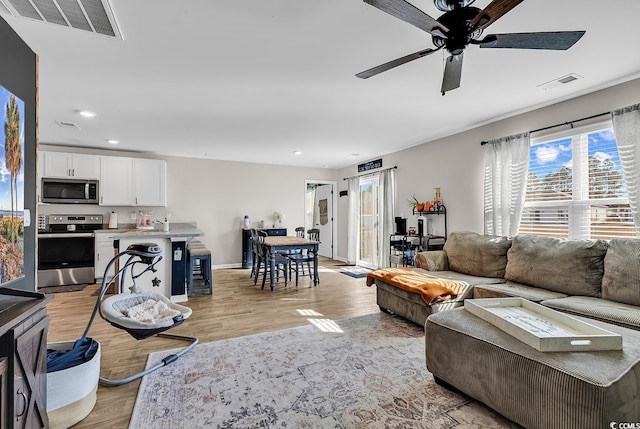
24	408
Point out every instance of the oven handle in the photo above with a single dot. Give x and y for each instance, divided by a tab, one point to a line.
66	235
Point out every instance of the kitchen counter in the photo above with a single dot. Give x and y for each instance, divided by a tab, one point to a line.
171	274
176	230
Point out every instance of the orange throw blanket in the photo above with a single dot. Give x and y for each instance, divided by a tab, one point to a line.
432	289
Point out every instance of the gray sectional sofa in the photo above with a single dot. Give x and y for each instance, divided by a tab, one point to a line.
592	278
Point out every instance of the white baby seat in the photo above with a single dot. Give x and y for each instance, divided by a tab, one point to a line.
141	313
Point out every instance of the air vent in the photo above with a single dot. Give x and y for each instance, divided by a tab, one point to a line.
560	81
67	125
95	16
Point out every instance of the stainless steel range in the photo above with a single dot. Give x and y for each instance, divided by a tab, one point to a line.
66	249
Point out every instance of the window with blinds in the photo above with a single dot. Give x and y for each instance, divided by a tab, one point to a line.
575	186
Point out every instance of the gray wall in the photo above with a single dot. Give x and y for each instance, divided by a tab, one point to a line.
456	163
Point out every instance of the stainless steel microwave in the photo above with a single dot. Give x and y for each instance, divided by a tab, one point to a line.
69	191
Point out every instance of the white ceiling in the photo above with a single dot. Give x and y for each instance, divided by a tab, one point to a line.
256	80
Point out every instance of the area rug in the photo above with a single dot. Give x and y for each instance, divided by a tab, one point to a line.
366	372
353	271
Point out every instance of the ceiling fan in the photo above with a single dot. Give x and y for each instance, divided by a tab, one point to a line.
461	25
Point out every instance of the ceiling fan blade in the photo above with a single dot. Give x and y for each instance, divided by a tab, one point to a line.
452	73
553	40
395	63
493	12
408	13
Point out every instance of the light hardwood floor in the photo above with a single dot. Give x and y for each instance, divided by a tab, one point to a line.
235	309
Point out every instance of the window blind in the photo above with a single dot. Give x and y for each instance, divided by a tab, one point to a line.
575	186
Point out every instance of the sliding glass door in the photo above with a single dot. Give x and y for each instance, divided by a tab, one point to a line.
368	242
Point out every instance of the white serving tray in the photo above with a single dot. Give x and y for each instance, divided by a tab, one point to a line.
542	328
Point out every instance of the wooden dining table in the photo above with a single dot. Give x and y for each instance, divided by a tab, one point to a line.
283	243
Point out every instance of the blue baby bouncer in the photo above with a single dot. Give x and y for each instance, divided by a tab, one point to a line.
141	313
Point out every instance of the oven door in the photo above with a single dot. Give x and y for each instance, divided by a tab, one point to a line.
65	259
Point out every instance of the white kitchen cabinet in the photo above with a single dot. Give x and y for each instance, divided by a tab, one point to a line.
64	164
149	182
104	253
116	181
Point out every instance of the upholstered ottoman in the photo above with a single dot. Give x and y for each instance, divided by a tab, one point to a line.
535	389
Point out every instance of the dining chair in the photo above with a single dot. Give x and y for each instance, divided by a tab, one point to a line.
314	234
264	262
254	251
299	260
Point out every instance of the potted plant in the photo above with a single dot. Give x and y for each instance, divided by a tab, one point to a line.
415	204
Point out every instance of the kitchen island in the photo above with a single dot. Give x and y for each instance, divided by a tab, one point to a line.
171	270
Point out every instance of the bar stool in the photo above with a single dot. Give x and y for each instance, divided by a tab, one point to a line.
199	269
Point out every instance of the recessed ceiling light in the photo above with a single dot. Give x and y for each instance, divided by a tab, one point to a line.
87	113
297	152
112	141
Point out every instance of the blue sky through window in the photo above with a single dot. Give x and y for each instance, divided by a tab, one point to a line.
551	156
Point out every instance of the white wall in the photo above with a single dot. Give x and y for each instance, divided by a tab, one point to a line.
456	163
216	195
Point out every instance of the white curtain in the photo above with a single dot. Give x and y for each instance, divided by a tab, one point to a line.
353	220
386	213
505	182
626	125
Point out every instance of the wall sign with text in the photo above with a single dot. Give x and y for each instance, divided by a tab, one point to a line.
370	165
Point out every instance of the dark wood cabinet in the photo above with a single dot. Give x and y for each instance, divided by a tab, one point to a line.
247	254
4	374
23	349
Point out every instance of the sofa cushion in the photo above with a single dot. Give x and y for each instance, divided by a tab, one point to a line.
597	308
621	280
570	266
508	289
477	255
432	260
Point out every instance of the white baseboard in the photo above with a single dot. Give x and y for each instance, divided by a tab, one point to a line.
226	266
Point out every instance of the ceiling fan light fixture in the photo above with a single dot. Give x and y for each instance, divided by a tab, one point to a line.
448	5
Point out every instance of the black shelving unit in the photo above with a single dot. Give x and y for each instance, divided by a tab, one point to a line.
400	246
441	212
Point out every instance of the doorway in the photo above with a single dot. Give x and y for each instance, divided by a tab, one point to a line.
320	203
369	218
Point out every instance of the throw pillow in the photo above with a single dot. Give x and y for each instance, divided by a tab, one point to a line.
621	281
570	266
477	255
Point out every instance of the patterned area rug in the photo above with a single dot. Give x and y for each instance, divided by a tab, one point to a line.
366	372
353	271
